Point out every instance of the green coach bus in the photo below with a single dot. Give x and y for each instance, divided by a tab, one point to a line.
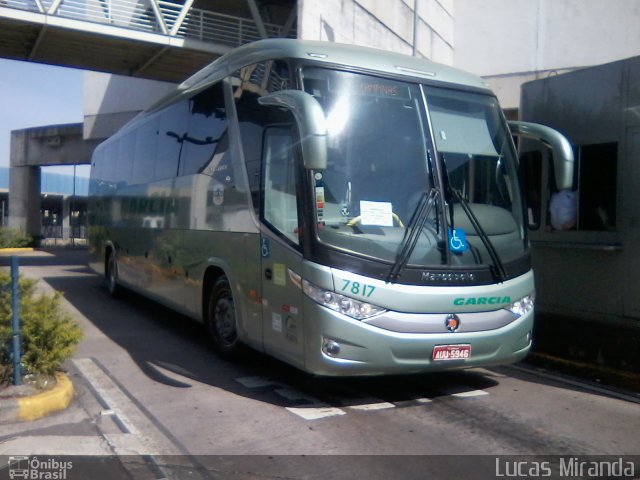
347	210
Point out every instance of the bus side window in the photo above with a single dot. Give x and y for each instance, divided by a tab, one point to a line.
250	83
280	200
531	168
172	131
207	127
125	156
145	152
96	185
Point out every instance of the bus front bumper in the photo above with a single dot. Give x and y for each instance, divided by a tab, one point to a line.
337	345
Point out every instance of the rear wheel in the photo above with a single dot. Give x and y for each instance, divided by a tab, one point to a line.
221	320
111	275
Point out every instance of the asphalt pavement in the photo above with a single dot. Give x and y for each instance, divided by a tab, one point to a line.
152	401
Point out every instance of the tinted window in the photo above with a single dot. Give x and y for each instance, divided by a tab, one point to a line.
146	151
174	124
207	126
97	172
249	84
110	162
124	164
280	200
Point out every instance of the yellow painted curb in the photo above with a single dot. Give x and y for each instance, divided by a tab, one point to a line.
16	250
42	404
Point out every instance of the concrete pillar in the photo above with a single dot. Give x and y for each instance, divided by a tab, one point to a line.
66	218
24	199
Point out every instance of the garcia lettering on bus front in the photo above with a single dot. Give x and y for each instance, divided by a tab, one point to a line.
482	301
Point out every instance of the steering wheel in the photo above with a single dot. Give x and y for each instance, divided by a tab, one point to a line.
358	219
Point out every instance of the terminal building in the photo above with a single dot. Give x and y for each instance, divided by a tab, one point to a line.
63	205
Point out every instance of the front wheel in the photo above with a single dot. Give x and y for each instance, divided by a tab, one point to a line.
221	320
111	275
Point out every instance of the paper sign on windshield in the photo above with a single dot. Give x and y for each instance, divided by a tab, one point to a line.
376	213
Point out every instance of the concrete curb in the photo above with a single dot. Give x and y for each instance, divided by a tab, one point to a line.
39	405
15	250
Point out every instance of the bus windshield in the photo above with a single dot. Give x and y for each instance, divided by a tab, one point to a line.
381	169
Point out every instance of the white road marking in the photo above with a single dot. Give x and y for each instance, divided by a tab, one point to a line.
372	405
315	413
142	436
108	391
316	409
472	393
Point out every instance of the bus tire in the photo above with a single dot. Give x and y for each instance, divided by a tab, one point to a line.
221	320
111	275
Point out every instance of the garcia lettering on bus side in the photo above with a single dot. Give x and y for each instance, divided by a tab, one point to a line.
482	301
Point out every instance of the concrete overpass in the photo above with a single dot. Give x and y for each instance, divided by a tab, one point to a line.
156	39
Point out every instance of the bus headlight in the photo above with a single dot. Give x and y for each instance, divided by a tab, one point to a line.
349	306
523	306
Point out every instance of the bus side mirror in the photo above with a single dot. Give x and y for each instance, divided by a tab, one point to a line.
562	152
311	121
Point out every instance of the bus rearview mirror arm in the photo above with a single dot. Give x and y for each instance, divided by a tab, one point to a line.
562	151
311	121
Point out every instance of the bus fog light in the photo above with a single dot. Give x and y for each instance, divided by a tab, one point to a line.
345	304
331	348
522	306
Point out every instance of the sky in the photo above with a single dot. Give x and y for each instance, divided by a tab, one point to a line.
34	95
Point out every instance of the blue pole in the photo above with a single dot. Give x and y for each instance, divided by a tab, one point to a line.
15	320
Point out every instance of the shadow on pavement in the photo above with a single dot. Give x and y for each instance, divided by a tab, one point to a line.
160	340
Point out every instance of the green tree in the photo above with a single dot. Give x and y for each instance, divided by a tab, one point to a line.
49	334
13	238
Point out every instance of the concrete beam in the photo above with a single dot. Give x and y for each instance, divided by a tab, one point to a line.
31	149
51	145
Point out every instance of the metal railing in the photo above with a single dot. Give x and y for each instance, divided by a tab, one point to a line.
57	231
154	16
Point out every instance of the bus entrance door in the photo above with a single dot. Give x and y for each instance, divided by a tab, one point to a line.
281	259
281	301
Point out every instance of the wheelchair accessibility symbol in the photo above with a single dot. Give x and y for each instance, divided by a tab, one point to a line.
458	240
265	248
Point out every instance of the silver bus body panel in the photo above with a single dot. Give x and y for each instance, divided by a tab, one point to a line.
434	322
428	299
329	53
369	350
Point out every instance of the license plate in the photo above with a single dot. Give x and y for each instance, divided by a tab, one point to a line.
451	352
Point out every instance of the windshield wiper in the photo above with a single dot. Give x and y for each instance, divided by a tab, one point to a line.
498	267
412	233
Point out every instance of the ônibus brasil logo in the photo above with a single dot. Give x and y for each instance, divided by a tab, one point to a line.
33	468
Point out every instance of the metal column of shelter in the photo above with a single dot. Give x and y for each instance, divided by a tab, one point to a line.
34	148
157	39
